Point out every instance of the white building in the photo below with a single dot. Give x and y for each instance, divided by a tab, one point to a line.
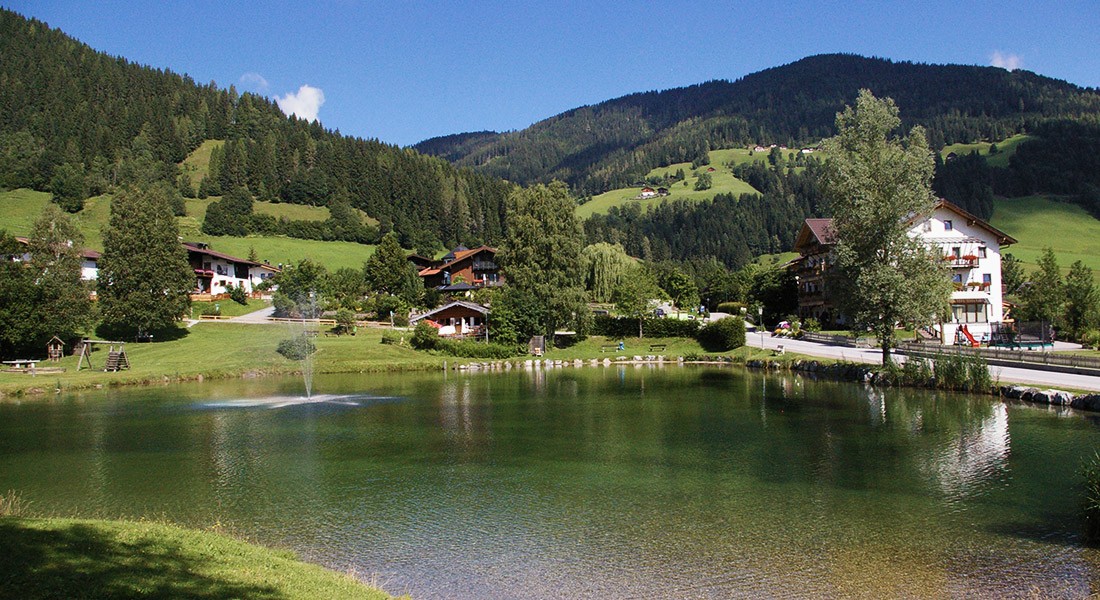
970	246
216	273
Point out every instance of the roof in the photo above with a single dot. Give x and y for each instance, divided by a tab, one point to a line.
470	305
815	231
821	231
459	255
84	252
1002	238
200	248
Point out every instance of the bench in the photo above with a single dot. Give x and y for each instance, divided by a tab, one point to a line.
609	348
778	350
22	363
657	347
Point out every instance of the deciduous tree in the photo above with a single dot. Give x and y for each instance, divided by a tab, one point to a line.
1082	300
1044	296
61	300
877	183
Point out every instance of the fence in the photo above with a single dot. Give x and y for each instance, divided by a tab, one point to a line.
836	340
1027	359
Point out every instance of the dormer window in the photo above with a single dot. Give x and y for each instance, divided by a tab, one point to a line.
948	226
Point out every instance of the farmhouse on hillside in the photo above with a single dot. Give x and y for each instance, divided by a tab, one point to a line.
464	270
89	260
216	272
457	319
970	246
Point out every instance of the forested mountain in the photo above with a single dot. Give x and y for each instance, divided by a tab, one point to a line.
74	118
615	143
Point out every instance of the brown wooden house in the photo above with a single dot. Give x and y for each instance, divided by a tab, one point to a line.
464	270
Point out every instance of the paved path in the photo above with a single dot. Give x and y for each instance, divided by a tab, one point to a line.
874	356
259	316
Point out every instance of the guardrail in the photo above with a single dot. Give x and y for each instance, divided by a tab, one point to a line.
312	321
1027	359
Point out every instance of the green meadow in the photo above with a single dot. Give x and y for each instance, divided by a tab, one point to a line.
723	182
19	209
1041	221
1005	149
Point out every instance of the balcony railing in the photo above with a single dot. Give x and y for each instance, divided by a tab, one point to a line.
964	262
485	265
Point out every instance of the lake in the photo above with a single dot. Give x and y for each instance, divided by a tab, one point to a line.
619	482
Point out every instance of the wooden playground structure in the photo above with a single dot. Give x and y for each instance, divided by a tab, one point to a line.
116	355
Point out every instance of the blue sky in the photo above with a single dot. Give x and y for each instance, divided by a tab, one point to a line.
406	71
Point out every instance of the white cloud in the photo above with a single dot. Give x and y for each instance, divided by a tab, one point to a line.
304	104
1006	61
253	81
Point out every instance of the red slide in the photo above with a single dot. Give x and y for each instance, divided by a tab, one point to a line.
966	332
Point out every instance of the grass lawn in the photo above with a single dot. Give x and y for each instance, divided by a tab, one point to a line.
1006	148
229	308
1041	221
70	558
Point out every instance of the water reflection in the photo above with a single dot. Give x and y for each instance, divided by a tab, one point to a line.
610	482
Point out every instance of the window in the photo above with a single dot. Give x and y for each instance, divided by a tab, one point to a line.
957	277
981	251
969	313
987	278
956	252
947	225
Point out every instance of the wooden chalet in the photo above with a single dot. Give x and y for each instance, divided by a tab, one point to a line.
457	319
464	270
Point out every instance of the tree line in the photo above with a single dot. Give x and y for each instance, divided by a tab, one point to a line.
77	122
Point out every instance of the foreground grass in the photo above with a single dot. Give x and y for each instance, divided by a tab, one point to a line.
1040	221
66	558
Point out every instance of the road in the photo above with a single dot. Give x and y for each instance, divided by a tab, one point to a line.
1004	375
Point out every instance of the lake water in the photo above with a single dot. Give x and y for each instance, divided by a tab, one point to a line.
616	482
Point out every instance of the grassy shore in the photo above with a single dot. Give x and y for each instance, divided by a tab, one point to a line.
221	349
67	558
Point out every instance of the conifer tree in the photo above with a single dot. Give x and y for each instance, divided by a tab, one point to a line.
1082	300
388	271
144	277
541	257
1044	296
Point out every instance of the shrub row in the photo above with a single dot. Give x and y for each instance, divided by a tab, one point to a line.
622	327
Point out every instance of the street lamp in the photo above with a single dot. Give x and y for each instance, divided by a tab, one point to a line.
760	323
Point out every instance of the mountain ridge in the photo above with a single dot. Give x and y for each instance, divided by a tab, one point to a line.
613	143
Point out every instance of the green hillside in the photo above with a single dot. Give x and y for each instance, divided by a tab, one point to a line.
1005	149
19	209
723	183
1041	221
197	164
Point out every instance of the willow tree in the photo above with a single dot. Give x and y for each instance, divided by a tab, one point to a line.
605	265
878	184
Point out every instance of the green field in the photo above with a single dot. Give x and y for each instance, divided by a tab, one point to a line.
197	164
724	182
71	558
1041	221
19	209
1005	149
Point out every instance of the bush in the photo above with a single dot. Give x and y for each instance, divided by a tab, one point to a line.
722	335
393	338
622	327
733	308
1091	339
425	337
296	348
238	295
211	310
400	319
811	325
962	372
474	349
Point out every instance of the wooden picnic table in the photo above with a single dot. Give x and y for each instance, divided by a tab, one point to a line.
22	363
